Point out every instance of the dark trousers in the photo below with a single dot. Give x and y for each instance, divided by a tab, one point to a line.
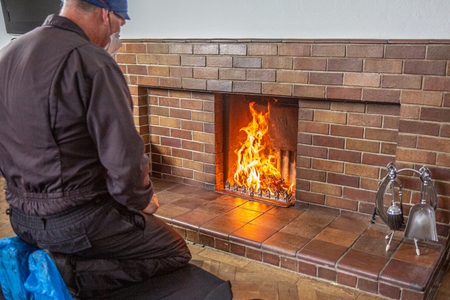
110	246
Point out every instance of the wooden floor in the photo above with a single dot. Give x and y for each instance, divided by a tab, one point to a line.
254	280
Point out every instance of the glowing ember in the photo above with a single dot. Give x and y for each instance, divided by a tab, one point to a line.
256	165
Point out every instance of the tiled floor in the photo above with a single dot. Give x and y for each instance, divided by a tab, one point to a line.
252	279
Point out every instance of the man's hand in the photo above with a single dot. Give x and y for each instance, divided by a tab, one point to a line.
152	207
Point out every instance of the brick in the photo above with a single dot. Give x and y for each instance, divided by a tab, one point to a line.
313	64
294	50
181	72
341	203
171	60
219	61
146	58
383	66
409	112
310	174
359	194
202	116
180	48
326	78
388	148
135	48
435	114
423	67
381	134
344	180
383	109
438	52
411	126
360	170
368	285
344	155
203	137
193	84
277	63
348	106
271	259
288	264
171	102
158	71
326	188
304	103
254	254
345	65
206	49
443	160
330	117
219	85
390	122
291	76
153	120
405	52
204	157
436	84
247	62
191	125
276	89
206	73
261	75
169	122
445	130
407	141
182	134
372	184
309	91
139	70
401	82
310	197
180	114
343	93
307	269
311	151
365	51
313	127
362	79
365	120
326	274
233	49
126	58
195	61
417	156
182	153
204	96
386	96
304	138
262	49
170	82
362	145
421	98
328	50
159	130
171	161
159	48
232	74
192	146
159	111
328	141
346	131
165	141
328	165
193	165
381	160
304	162
247	87
435	144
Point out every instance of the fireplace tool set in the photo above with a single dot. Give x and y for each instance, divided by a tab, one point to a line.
421	222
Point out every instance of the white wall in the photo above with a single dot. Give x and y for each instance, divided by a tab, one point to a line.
365	19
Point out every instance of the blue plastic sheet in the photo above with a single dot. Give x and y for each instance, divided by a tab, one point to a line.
14	268
29	274
45	281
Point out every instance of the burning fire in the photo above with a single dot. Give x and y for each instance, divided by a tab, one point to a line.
256	165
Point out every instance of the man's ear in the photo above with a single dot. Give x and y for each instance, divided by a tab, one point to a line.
105	16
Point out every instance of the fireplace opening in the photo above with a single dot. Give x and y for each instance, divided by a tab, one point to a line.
260	148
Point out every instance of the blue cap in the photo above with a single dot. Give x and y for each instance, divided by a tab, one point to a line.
119	7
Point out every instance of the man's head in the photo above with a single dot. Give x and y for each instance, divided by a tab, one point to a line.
119	7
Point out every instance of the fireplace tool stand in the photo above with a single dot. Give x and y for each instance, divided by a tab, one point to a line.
421	222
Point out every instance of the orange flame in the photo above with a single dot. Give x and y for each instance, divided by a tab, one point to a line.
255	167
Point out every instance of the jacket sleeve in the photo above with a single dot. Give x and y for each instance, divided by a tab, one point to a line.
120	147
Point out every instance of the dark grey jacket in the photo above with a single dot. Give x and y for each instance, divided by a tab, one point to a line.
67	132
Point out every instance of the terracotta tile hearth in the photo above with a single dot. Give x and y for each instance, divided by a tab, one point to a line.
328	247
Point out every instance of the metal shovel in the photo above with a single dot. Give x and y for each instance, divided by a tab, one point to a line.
422	219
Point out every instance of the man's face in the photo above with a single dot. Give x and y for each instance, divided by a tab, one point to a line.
115	22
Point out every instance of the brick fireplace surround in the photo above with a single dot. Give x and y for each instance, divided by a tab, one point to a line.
362	104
